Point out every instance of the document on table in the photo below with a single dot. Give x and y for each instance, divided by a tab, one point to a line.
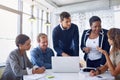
100	78
44	76
34	76
105	76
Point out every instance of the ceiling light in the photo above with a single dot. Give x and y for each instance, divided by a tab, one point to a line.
32	18
47	21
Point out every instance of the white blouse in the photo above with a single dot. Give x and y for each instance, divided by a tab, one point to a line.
94	54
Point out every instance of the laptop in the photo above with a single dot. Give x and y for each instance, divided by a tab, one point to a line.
65	64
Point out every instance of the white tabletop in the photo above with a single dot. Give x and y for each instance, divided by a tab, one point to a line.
49	75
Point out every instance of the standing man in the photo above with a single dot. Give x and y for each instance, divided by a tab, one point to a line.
41	55
66	37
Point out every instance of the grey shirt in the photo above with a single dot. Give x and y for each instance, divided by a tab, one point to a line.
16	65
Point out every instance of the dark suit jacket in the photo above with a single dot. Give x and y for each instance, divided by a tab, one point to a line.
103	42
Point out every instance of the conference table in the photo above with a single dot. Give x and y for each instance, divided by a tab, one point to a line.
49	75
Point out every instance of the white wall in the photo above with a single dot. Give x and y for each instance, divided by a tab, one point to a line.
82	7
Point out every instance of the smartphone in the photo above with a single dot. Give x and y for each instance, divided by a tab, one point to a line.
88	69
99	76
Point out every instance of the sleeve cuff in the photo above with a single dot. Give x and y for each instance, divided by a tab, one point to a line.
29	71
34	67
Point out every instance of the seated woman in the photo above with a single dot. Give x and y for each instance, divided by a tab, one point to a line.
18	63
112	62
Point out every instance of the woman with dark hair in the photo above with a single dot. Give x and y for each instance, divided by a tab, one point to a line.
112	62
91	38
17	63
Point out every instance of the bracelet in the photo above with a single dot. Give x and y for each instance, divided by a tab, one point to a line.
99	71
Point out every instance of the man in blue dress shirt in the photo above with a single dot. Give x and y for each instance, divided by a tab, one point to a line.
41	55
66	37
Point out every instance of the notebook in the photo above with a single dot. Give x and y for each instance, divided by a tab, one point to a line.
65	64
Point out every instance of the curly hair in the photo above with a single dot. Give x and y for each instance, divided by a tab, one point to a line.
94	19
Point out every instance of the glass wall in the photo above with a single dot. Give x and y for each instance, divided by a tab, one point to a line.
10	3
8	32
14	19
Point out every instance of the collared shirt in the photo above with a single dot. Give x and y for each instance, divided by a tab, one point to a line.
40	58
63	28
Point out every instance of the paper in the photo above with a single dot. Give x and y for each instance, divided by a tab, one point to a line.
86	76
34	76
